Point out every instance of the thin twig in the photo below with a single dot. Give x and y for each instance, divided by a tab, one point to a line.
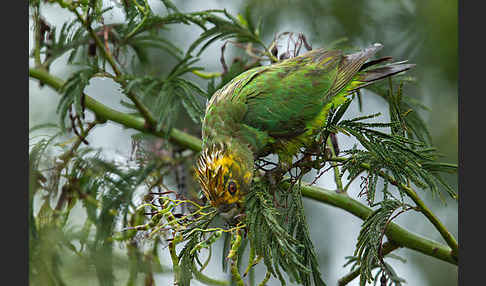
150	120
388	247
337	173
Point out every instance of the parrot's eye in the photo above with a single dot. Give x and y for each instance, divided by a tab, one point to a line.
232	187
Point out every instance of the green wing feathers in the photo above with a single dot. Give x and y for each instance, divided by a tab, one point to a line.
287	95
286	101
349	67
285	98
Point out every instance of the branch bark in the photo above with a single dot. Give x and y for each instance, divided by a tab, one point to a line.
394	232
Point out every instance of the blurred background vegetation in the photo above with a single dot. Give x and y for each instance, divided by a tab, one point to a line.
423	32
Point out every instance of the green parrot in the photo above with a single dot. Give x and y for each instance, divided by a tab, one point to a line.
276	109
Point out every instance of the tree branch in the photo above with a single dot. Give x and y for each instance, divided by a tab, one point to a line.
102	111
107	55
337	173
341	200
37	37
448	237
393	231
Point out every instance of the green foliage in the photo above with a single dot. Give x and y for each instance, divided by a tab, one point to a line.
226	28
281	236
404	109
44	263
390	153
69	38
94	178
385	273
393	154
73	93
163	96
105	191
368	247
166	97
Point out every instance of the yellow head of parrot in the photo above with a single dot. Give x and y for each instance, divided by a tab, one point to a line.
225	177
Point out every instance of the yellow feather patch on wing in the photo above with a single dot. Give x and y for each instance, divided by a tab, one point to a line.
320	120
354	84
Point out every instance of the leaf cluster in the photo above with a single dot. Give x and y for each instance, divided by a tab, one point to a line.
281	236
397	152
92	44
73	93
395	155
193	228
105	191
369	246
166	97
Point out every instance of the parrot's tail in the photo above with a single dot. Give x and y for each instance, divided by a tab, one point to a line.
369	76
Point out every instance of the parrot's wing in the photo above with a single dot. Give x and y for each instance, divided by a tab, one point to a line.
283	98
369	76
350	66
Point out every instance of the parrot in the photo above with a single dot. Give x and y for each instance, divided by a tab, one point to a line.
277	108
